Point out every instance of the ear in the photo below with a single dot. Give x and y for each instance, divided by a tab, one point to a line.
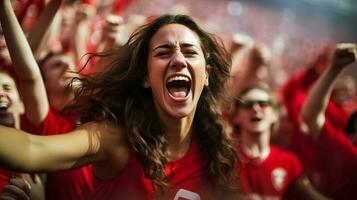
207	72
275	115
146	83
21	108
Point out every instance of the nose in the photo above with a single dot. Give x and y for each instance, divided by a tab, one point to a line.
178	60
2	92
256	106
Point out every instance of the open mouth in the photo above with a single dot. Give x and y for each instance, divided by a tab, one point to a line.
4	106
255	119
178	86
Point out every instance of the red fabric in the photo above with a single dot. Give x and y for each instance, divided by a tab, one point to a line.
262	178
120	5
187	173
5	176
90	2
23	6
338	178
67	185
330	160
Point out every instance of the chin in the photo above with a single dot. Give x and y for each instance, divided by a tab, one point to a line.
182	113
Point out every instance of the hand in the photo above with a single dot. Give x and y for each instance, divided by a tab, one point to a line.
24	188
18	189
345	54
239	41
260	55
111	26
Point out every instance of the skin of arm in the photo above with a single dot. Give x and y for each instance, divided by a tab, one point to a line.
314	107
37	33
306	190
31	83
31	153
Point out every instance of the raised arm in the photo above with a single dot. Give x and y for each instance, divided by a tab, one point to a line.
31	83
37	33
314	107
31	153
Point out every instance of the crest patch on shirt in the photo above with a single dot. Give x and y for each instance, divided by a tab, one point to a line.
278	177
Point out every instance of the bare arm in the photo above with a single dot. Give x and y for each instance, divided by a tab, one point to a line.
258	56
31	153
314	107
32	85
37	33
307	191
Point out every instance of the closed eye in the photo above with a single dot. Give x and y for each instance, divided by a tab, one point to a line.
190	53
162	53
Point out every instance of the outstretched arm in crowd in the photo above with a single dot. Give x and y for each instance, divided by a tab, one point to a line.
314	107
37	33
25	152
31	83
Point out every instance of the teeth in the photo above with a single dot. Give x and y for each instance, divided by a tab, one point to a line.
4	105
178	78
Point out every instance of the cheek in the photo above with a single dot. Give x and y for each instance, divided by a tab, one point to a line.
237	119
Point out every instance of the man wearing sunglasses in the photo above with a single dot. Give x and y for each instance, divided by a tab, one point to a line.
266	172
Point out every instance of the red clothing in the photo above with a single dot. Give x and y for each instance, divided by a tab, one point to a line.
333	168
188	177
330	160
5	176
66	185
295	91
269	178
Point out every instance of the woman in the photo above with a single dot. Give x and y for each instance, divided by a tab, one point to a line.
156	128
45	90
267	172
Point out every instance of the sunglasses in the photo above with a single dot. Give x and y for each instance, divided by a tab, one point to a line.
250	103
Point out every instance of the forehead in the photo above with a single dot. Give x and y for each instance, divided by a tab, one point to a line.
174	34
256	94
6	78
56	58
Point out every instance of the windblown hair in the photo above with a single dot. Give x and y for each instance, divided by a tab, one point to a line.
117	94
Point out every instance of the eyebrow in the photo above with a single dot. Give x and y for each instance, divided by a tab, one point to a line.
168	46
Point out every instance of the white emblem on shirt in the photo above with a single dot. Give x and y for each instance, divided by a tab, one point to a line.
278	176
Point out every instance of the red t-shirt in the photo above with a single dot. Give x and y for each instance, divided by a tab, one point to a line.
188	178
269	178
74	184
335	169
295	91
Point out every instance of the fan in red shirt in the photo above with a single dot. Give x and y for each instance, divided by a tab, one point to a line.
333	168
11	107
267	172
45	88
159	102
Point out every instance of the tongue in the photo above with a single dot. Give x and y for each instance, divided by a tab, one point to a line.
178	91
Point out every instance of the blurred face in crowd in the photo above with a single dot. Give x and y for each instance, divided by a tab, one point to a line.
177	70
254	112
11	106
58	73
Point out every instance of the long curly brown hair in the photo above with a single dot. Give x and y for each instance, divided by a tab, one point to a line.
117	94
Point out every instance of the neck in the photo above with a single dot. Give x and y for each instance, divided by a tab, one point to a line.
256	145
178	135
60	101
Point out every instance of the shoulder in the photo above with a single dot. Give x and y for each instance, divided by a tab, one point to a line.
283	154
